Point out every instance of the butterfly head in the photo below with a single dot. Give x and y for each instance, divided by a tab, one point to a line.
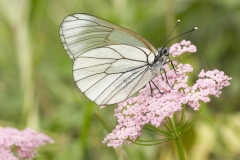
162	55
163	52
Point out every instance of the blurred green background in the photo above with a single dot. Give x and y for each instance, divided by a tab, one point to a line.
37	89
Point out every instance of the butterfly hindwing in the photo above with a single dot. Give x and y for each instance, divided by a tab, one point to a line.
108	79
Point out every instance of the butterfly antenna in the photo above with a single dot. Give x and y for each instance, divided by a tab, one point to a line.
166	41
182	34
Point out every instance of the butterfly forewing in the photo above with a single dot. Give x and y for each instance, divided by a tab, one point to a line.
81	32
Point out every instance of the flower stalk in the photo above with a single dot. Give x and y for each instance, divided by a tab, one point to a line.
179	146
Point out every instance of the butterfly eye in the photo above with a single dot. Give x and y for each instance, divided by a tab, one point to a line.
165	51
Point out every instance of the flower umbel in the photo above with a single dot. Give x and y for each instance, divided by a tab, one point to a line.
135	112
25	143
184	46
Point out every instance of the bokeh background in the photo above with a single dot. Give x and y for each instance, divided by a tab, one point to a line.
37	89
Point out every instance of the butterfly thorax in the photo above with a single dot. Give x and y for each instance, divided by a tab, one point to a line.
159	60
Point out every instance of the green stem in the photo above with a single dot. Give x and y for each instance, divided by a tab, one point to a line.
180	150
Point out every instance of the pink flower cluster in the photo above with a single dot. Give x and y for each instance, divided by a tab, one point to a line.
25	143
184	46
135	112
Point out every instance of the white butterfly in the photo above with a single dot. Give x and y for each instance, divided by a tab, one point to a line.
111	63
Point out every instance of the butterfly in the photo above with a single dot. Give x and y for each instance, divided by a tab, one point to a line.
110	62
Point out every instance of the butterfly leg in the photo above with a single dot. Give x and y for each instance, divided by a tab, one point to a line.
161	74
156	87
166	77
151	88
169	60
